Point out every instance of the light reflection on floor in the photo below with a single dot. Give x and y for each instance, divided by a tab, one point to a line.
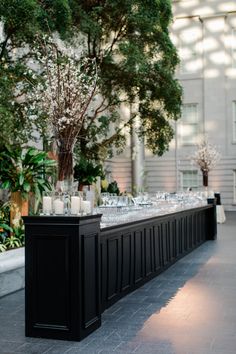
183	314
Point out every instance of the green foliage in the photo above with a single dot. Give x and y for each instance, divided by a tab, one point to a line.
113	188
25	171
12	242
15	126
4	212
23	21
10	237
110	187
137	61
135	58
4	224
3	248
86	172
19	233
4	221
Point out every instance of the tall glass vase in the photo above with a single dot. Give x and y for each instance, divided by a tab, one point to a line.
65	167
65	164
205	178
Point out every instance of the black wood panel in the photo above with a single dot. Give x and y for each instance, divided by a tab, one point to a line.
190	231
180	245
126	262
198	227
90	276
148	251
194	229
51	282
173	235
113	267
138	255
156	248
185	233
165	243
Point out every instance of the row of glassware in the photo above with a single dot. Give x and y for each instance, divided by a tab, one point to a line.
79	203
149	206
58	203
144	198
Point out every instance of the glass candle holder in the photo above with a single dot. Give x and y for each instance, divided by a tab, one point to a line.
75	203
47	203
86	207
58	204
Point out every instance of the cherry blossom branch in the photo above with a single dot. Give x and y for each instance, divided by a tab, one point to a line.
206	156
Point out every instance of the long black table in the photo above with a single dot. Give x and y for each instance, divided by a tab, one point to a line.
74	270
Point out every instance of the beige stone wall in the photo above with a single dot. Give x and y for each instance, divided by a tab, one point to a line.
202	31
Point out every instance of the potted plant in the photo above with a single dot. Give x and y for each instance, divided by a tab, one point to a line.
23	172
113	188
86	172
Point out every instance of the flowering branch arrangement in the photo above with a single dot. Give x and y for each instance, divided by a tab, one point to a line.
206	157
65	93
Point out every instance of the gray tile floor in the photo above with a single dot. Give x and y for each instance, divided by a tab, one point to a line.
189	309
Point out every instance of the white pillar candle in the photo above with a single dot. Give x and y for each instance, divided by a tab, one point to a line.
86	206
58	207
47	205
75	205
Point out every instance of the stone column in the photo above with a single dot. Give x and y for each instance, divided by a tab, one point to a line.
137	154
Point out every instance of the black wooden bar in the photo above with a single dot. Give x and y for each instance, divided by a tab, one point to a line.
74	270
62	276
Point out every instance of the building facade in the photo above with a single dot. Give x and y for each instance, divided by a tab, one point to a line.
205	34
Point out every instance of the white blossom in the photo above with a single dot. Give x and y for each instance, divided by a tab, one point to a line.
206	156
67	88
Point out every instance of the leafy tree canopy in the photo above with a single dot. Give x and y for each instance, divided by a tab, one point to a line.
22	20
134	53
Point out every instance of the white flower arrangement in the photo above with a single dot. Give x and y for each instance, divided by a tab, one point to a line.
206	157
65	93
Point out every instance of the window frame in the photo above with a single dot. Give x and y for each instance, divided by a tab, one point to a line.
233	48
234	121
234	186
194	186
184	123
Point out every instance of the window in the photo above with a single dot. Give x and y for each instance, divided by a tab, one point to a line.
234	186
234	121
234	47
189	125
189	179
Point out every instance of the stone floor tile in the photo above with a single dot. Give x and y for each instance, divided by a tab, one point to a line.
8	346
62	349
34	348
